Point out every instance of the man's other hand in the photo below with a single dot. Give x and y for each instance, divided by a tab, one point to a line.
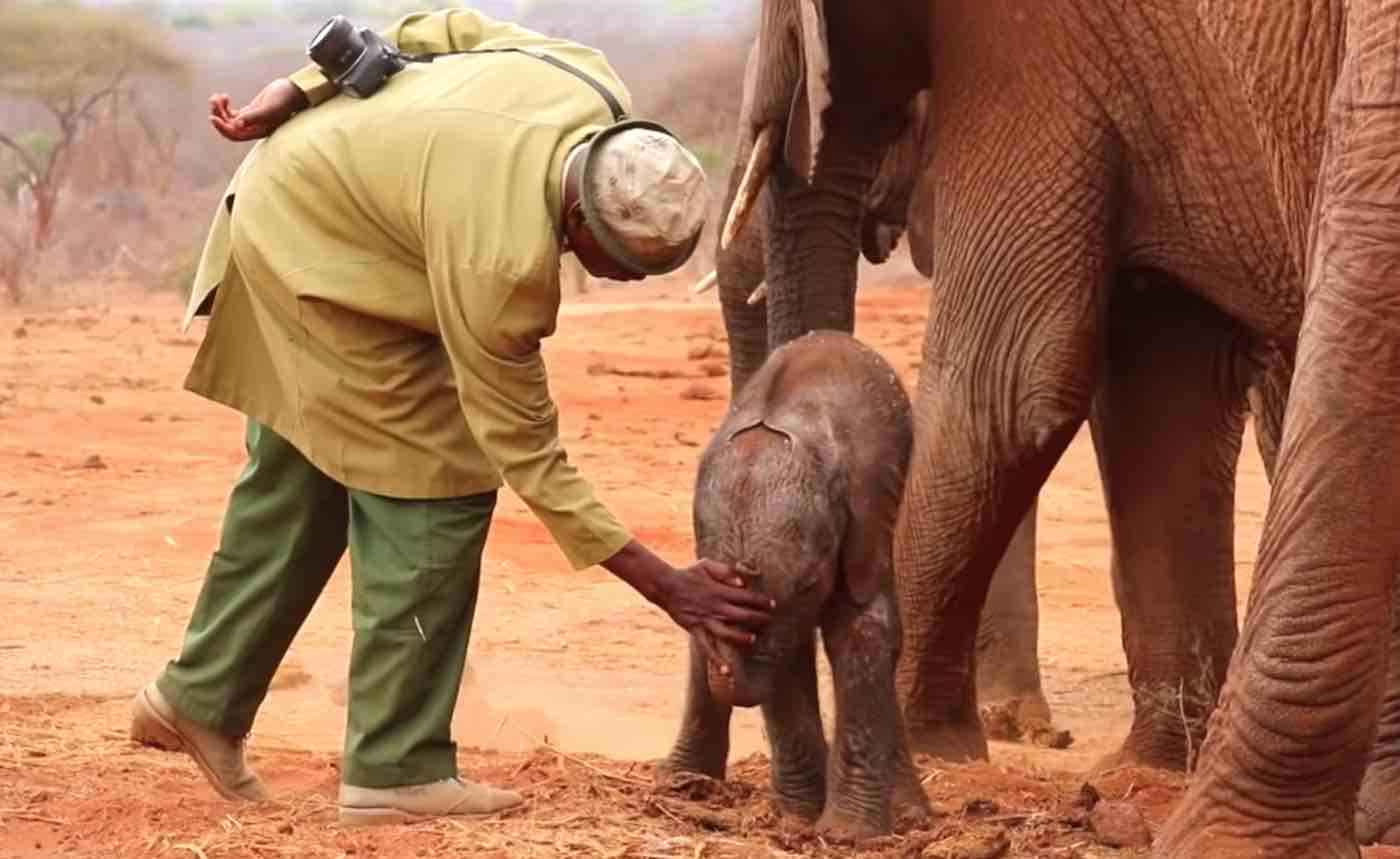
276	104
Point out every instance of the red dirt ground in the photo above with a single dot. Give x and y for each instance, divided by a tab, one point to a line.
112	484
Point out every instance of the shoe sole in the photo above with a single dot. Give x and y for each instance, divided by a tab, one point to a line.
150	728
390	816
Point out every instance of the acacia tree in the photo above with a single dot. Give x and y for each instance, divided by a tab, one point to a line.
66	61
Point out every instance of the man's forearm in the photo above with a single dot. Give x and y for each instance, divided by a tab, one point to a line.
639	567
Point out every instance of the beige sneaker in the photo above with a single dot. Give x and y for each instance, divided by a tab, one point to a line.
456	797
155	723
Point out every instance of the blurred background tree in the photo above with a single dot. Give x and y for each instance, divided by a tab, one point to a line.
104	106
68	61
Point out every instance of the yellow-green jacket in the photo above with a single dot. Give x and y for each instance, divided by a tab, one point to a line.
386	269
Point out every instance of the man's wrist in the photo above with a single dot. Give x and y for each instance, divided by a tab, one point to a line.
302	100
644	571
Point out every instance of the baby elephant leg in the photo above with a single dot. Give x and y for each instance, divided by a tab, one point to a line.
703	744
792	718
871	774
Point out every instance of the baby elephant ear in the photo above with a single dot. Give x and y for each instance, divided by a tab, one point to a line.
867	554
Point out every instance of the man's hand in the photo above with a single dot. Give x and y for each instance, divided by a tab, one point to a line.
276	104
708	600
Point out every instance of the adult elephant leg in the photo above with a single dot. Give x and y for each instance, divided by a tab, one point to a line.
1008	637
1168	423
1284	759
792	717
1009	369
703	743
1378	804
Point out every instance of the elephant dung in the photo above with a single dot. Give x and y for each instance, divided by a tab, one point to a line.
1005	722
1119	824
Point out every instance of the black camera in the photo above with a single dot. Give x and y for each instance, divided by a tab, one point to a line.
358	61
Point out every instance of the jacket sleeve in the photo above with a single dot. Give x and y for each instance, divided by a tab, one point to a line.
493	274
420	33
507	404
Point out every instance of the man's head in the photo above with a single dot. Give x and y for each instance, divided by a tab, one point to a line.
635	202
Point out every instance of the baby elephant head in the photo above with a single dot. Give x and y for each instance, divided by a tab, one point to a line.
763	503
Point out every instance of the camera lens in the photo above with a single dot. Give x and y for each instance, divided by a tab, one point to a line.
336	47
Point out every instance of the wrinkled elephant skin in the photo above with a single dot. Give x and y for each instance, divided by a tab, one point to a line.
1096	163
897	198
1307	688
801	483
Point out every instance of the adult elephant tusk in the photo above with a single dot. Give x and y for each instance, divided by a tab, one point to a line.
706	283
759	295
755	175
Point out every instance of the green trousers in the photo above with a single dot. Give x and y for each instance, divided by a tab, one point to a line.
415	572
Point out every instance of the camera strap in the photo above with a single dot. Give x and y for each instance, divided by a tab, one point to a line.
613	104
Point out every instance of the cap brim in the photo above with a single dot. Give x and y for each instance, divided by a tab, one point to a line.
606	238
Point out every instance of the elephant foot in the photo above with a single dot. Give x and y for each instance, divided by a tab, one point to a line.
909	805
839	825
1200	844
960	742
1202	827
804	808
682	763
801	791
1378	805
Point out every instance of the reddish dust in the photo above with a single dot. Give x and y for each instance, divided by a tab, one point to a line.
112	485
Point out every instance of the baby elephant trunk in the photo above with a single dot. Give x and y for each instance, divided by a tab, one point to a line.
745	684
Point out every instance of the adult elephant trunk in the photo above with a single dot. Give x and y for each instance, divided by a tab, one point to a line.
811	164
814	243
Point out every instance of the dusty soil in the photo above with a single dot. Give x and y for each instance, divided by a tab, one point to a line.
112	484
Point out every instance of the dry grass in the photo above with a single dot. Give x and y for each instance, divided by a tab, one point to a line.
99	795
1189	703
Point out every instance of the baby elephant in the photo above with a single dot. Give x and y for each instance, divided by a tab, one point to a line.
802	483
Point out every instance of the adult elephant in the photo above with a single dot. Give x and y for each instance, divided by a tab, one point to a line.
1308	686
895	204
1105	247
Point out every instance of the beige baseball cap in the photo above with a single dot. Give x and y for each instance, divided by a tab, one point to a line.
645	197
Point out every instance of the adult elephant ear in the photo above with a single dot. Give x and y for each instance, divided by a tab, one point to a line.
808	96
